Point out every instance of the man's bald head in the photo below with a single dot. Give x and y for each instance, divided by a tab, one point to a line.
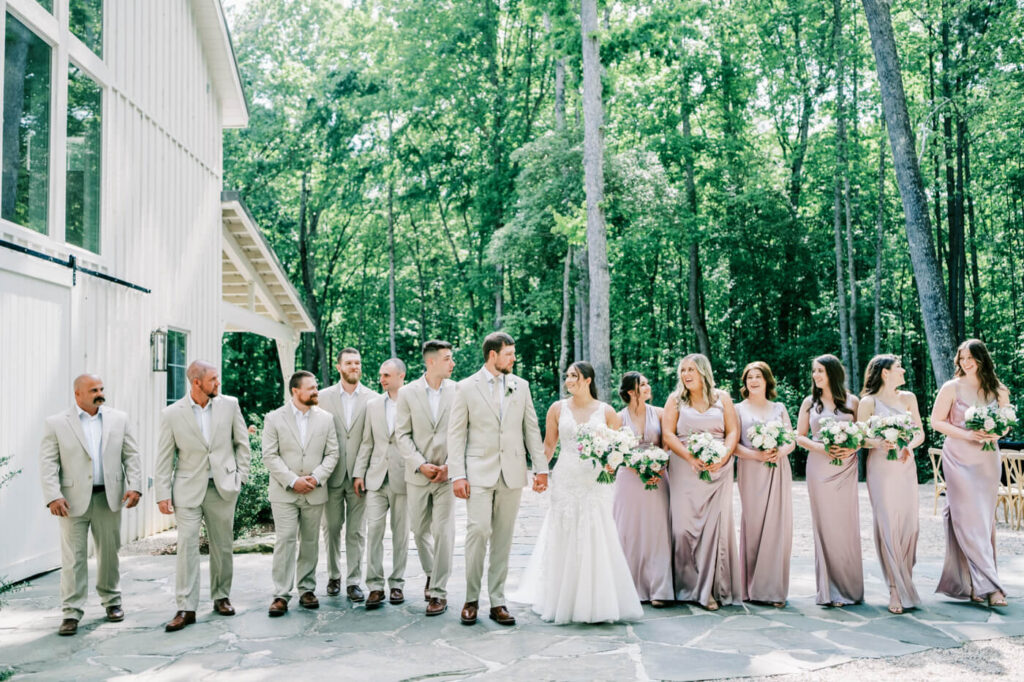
203	380
89	392
198	370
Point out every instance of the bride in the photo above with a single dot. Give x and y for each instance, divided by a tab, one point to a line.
578	571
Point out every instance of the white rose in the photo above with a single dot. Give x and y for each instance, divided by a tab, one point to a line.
615	460
990	424
970	412
891	435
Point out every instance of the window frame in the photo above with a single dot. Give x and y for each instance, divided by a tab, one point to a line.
168	400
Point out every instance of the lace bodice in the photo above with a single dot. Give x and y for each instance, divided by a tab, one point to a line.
573	477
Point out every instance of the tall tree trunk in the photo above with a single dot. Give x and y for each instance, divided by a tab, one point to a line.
879	242
954	255
851	271
695	284
837	192
307	227
391	269
975	276
940	242
935	313
563	349
499	294
593	173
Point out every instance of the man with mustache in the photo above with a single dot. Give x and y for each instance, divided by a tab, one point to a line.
89	466
204	446
300	449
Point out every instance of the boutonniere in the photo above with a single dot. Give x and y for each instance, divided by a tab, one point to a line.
510	388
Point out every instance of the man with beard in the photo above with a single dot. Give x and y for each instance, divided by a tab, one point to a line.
300	449
346	402
89	466
204	447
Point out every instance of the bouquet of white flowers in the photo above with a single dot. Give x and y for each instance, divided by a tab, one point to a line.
896	428
842	434
768	436
705	447
606	447
649	463
990	420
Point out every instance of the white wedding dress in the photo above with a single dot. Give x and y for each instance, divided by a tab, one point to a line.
578	571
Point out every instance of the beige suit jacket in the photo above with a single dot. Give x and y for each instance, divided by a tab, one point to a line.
349	438
420	439
483	445
65	467
286	459
184	456
378	454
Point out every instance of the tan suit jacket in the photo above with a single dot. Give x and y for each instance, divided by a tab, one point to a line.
286	459
483	445
349	438
184	455
420	439
378	454
65	467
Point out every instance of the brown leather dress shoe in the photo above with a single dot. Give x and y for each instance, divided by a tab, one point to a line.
355	594
468	615
375	600
426	590
436	606
501	616
115	614
180	620
278	608
68	626
396	596
223	607
334	587
308	600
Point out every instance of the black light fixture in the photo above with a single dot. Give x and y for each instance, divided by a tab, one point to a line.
158	350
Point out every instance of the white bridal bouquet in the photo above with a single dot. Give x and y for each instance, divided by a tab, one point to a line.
768	436
650	464
708	449
990	420
896	428
605	446
842	434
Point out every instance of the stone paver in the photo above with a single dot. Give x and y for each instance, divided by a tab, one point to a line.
344	641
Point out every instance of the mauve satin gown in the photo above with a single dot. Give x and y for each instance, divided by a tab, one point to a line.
892	486
705	563
835	519
766	522
642	518
972	485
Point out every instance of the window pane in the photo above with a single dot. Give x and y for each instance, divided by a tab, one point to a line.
86	23
85	97
26	137
177	351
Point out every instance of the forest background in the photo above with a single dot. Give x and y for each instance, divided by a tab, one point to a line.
419	169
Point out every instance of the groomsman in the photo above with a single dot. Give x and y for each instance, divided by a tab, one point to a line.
346	401
380	476
492	427
204	447
421	427
300	449
89	466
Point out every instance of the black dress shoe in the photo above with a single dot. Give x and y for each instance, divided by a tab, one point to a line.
375	600
68	626
334	587
278	608
115	614
355	594
396	596
223	607
180	620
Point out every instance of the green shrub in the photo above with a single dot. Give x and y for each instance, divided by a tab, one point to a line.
252	510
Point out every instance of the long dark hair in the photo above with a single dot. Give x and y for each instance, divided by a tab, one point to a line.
873	374
586	371
990	383
836	384
630	382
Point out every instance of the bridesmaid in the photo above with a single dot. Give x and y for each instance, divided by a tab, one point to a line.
972	478
766	523
892	484
705	567
835	512
642	515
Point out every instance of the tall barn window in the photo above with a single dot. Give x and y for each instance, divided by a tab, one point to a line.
86	23
25	182
177	362
84	160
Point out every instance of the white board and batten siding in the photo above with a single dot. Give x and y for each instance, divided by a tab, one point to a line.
164	104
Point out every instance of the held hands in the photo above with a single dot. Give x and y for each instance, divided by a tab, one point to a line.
359	486
906	454
132	498
769	455
985	436
837	452
434	473
461	489
307	484
165	507
540	483
59	507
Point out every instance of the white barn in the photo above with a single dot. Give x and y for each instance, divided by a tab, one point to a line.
116	238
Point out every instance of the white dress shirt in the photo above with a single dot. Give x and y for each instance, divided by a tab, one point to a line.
302	423
389	413
348	403
497	383
434	400
203	416
93	427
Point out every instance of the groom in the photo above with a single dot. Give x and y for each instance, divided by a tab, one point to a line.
491	428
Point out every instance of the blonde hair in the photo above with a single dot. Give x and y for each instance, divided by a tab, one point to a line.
707	376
